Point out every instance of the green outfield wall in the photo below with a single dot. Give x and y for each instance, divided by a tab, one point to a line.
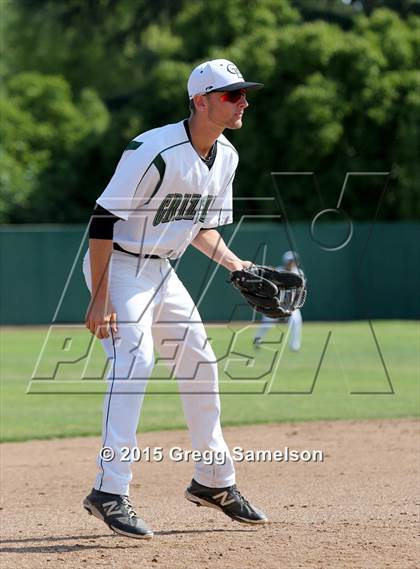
375	275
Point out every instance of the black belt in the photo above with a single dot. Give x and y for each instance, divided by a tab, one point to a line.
118	248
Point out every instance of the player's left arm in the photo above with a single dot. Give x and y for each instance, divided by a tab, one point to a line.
212	244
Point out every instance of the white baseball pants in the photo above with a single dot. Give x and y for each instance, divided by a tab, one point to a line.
295	329
154	310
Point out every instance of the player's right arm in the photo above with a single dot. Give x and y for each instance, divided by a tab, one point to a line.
101	313
134	180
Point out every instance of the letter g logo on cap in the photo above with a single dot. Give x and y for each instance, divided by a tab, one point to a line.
234	70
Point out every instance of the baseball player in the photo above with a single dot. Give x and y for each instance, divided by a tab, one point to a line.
290	262
172	188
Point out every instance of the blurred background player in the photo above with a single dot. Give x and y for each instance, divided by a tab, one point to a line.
290	262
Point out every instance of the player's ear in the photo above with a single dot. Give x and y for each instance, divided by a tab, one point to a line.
200	102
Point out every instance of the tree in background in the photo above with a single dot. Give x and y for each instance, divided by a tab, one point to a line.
342	94
45	138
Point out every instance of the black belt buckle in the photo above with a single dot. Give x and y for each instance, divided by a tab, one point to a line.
117	247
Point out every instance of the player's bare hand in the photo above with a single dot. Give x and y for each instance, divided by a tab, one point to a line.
101	318
246	264
239	265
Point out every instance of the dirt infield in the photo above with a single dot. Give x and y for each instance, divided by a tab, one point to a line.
356	509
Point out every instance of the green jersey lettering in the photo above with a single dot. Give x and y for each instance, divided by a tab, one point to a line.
181	209
191	211
207	204
162	209
171	211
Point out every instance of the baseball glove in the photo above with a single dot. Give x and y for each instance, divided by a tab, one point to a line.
269	291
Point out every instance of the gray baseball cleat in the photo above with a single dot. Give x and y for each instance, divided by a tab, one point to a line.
118	514
228	500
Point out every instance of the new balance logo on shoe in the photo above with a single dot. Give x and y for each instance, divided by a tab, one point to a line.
118	514
111	508
229	500
223	498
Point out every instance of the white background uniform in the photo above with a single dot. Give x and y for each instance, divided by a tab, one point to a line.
294	322
161	189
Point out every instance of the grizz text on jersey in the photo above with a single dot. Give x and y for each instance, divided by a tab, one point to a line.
175	207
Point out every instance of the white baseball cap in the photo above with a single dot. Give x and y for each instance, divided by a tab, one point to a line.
290	256
217	75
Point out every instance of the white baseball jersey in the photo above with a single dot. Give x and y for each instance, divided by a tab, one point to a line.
294	269
165	193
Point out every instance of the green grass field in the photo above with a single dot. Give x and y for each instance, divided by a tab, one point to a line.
355	380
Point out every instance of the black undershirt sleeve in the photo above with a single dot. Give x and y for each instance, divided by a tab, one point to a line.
102	223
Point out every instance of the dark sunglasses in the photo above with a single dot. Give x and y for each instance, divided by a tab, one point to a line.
233	96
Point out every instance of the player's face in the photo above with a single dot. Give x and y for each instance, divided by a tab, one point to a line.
227	108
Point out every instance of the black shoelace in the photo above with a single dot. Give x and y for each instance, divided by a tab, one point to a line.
235	492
